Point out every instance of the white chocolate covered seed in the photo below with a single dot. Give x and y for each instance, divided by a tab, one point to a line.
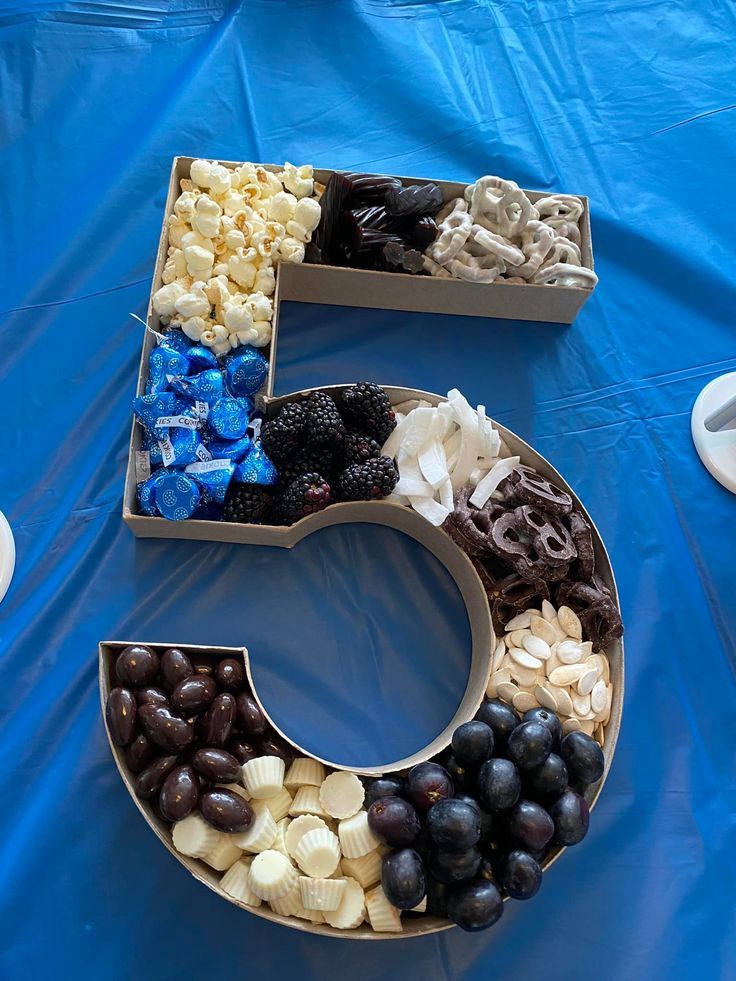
264	776
366	870
351	911
306	801
278	805
298	828
321	894
383	917
305	772
356	838
272	875
341	794
194	837
260	834
318	853
236	883
223	854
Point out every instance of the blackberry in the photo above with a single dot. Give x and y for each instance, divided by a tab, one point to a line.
366	407
282	436
304	495
358	448
309	459
245	503
323	426
369	481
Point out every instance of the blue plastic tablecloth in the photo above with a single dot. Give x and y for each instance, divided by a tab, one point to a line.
358	637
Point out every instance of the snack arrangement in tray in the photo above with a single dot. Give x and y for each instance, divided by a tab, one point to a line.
445	836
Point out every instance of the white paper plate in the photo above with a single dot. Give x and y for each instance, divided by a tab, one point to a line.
713	427
7	555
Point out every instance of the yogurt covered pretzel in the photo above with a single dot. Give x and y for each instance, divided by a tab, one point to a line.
494	232
454	233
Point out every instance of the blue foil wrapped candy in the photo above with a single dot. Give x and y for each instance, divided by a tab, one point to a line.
164	361
257	468
207	386
147	494
176	340
245	371
229	449
184	444
201	358
148	408
228	418
150	442
213	477
176	496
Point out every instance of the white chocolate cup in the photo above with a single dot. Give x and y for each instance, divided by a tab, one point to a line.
321	894
356	838
298	828
318	853
341	794
305	772
272	875
351	911
263	777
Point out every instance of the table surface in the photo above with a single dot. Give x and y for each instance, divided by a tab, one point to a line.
359	640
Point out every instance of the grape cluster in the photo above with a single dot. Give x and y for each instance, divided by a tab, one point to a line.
478	822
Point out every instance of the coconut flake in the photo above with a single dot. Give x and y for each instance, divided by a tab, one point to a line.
410	487
492	479
429	509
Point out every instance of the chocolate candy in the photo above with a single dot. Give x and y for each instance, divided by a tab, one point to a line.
149	781
230	674
272	745
136	666
416	199
250	717
140	753
167	730
120	713
217	724
243	751
193	695
216	765
175	667
225	810
203	664
150	695
179	793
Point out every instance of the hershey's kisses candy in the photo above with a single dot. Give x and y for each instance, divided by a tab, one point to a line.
176	340
201	358
149	408
228	417
256	468
176	496
207	386
229	449
150	443
245	371
147	494
213	477
164	361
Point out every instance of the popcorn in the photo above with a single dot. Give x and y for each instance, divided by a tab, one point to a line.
306	218
206	217
194	303
184	205
219	179
164	299
194	327
281	207
227	232
200	172
298	180
291	250
265	280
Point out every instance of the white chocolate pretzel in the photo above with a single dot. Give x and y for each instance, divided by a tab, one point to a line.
565	206
454	233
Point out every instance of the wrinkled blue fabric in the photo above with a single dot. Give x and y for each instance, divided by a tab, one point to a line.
358	637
